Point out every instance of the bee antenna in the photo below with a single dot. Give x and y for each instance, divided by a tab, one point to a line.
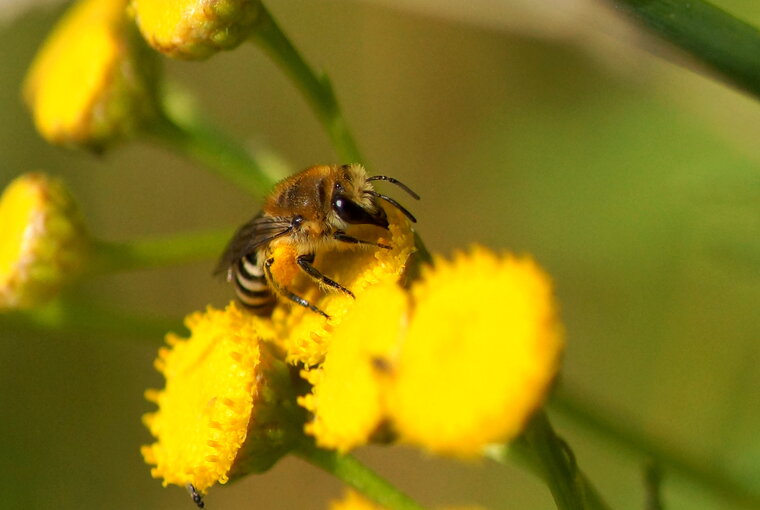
396	182
393	203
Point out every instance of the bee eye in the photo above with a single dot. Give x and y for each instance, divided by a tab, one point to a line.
350	212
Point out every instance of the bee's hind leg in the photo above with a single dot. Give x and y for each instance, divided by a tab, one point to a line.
287	293
305	261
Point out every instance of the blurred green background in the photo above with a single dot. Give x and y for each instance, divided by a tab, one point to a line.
555	130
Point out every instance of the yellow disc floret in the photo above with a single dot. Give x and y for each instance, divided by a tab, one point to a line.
44	243
348	399
482	349
90	82
194	29
204	410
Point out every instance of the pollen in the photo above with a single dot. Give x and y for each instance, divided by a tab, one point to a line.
205	408
482	348
304	335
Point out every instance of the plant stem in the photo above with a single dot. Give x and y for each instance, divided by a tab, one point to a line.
174	249
315	88
69	316
702	472
357	475
547	456
726	44
210	147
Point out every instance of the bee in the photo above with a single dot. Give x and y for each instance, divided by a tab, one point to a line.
306	213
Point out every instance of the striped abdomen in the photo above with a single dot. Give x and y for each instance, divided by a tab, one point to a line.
251	285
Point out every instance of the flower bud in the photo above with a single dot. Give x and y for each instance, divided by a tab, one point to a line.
44	243
93	79
194	29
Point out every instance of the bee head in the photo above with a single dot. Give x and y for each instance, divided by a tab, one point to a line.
367	212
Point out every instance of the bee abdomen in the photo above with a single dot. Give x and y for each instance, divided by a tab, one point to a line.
251	286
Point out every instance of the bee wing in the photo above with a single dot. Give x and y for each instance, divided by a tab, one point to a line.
251	236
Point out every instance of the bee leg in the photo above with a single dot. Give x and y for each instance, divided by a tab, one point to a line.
288	294
304	262
197	498
341	236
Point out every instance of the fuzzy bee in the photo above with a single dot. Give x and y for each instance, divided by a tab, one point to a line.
305	214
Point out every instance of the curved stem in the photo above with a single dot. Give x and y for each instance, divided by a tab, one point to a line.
174	249
620	431
315	88
215	150
87	317
547	456
357	475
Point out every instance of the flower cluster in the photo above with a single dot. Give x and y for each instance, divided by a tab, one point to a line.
459	360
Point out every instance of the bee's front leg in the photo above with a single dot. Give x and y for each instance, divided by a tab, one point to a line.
283	291
305	263
341	236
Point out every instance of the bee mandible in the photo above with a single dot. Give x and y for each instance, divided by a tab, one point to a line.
306	213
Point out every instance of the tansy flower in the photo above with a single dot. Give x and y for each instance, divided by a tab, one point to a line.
348	401
464	365
305	335
482	349
219	407
91	81
194	29
43	243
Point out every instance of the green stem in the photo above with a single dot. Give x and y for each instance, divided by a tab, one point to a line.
315	88
622	432
550	458
69	316
726	44
358	476
210	147
165	251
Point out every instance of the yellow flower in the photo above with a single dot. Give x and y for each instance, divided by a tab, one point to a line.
91	81
465	365
43	243
194	29
217	397
305	335
482	348
347	401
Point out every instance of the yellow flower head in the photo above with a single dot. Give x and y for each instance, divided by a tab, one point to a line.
305	335
482	348
213	382
348	401
91	81
194	29
43	240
